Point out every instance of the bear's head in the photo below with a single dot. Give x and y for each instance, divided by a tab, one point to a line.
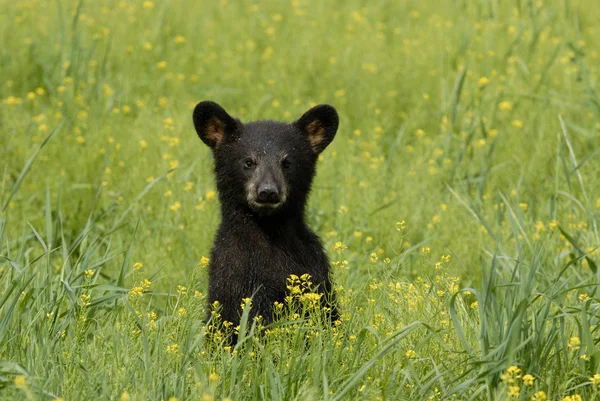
266	167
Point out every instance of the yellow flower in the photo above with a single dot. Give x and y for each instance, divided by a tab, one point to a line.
483	81
528	380
20	382
181	290
137	266
204	261
512	373
88	273
514	391
574	343
410	354
539	396
148	4
400	225
161	65
505	105
513	370
173	349
210	195
426	250
179	39
339	247
85	300
175	206
595	380
373	258
136	292
517	124
124	396
539	226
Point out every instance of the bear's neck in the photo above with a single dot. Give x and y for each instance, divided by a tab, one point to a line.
280	223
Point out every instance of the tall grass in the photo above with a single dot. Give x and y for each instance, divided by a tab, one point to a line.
459	202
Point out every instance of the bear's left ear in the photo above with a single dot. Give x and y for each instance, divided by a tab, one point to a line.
319	124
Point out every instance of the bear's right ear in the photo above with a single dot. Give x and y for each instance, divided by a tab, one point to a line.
212	123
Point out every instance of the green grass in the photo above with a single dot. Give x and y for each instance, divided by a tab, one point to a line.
475	123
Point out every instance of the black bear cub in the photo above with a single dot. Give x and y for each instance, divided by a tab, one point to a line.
264	171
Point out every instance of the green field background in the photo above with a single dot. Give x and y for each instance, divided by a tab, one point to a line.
459	202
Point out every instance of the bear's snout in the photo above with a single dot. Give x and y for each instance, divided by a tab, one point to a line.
268	193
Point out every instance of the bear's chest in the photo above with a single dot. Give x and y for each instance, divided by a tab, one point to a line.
268	260
254	263
287	253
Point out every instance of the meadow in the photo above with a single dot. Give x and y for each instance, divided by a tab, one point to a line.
459	202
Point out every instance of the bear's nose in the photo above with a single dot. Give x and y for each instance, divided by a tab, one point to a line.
268	193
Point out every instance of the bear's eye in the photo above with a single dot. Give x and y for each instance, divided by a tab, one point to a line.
248	163
286	164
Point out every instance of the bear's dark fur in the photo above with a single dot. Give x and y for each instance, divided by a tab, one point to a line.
264	171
